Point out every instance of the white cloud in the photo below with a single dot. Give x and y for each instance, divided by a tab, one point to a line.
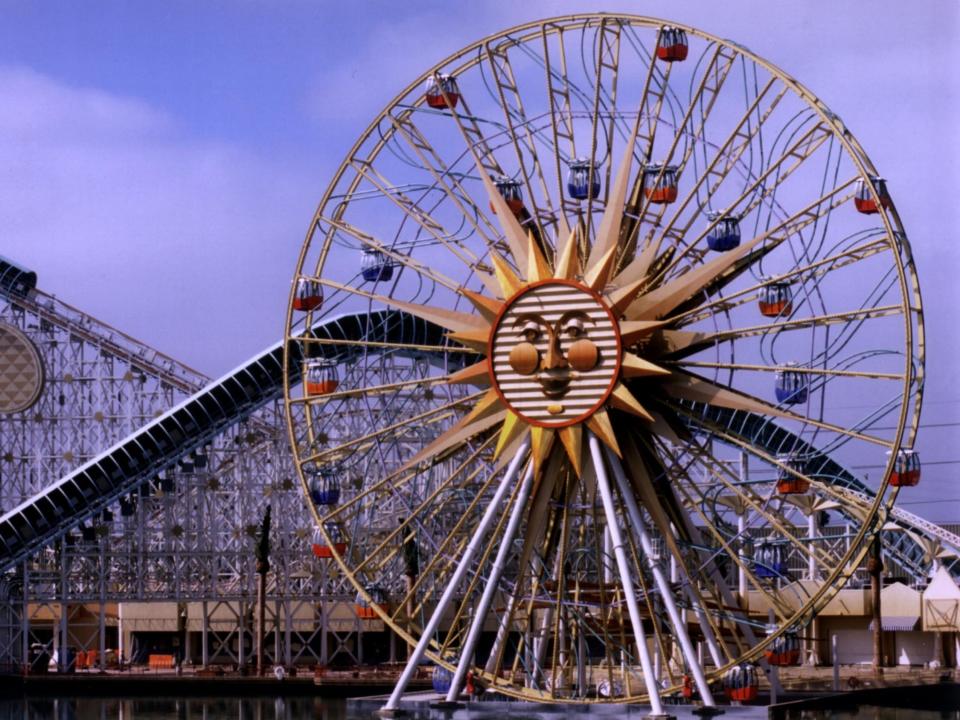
186	243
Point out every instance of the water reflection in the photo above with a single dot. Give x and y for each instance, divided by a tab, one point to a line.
255	708
312	708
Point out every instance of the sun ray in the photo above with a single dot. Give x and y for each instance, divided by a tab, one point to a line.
603	254
568	261
488	307
572	439
664	299
473	339
510	284
633	330
541	442
601	426
597	274
688	387
476	374
537	266
513	428
632	366
622	399
486	405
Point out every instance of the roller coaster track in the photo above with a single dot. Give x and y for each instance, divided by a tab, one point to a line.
233	398
158	445
901	546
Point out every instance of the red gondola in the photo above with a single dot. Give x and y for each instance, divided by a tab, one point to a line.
863	199
509	189
308	295
363	609
906	469
790	479
320	376
660	191
784	651
776	299
672	45
741	683
437	85
323	549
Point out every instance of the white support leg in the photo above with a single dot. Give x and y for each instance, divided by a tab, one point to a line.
493	580
812	534
679	626
626	580
727	597
486	521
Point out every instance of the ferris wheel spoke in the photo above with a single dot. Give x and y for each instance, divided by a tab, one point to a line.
561	124
368	240
415	212
452	547
814	371
377	345
608	50
710	85
809	271
693	498
372	390
760	506
698	389
674	292
799	152
445	178
729	157
487	167
679	344
514	116
393	428
429	509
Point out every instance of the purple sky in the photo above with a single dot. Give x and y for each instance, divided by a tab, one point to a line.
161	161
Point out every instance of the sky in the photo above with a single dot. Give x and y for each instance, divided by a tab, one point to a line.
160	162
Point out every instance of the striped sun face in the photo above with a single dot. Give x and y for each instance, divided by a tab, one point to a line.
555	353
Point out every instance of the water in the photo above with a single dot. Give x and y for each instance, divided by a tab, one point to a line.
312	708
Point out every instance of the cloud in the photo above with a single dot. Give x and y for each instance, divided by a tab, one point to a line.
187	243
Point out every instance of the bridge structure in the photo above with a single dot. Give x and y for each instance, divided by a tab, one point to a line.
131	491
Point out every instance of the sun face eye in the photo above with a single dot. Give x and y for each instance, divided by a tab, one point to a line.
530	332
574	329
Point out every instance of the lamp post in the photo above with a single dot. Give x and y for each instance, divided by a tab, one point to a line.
263	567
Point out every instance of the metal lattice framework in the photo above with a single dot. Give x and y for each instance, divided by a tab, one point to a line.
757	277
178	529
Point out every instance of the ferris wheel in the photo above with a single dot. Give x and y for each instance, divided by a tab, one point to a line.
633	298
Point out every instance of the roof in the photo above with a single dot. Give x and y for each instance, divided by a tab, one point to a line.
894	623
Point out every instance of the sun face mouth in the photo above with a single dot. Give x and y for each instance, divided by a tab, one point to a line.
554	383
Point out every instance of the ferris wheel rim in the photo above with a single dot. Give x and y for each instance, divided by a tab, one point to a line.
853	152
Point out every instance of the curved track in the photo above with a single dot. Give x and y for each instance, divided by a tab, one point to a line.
235	396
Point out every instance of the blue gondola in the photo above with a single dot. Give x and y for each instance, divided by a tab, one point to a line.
769	562
374	266
579	186
324	485
442	679
725	235
791	386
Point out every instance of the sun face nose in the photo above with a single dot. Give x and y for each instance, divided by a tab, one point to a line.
554	359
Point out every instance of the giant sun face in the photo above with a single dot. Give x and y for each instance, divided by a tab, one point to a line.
555	353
